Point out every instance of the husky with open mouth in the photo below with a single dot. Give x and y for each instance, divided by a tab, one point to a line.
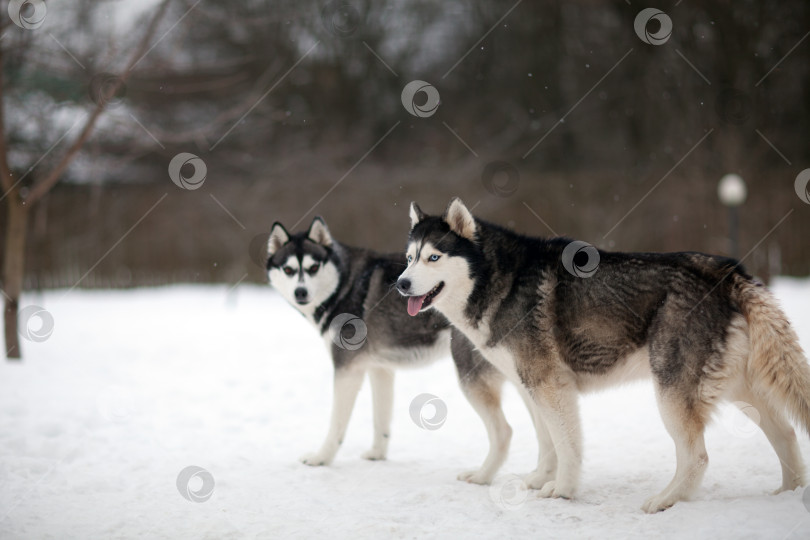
558	317
349	295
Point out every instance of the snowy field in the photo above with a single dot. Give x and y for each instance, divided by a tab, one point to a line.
133	387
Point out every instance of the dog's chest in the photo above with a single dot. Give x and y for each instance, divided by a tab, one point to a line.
499	356
502	358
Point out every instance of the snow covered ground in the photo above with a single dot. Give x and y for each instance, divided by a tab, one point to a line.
133	387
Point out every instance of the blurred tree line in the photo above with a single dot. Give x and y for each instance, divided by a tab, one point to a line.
555	118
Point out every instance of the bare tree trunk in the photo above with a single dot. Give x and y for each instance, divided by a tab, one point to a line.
13	270
14	261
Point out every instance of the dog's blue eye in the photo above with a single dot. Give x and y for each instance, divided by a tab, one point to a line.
410	258
433	258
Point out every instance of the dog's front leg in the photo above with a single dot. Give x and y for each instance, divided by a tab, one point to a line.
347	385
558	406
546	470
382	391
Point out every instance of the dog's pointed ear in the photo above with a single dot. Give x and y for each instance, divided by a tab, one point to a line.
416	214
460	220
278	237
319	232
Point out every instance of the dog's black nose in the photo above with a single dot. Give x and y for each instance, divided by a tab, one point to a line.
301	294
404	285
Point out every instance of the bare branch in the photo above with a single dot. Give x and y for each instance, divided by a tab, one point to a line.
52	178
227	116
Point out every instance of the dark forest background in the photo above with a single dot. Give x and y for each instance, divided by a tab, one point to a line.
307	95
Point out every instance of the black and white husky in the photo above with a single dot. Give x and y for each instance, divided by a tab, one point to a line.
559	317
349	294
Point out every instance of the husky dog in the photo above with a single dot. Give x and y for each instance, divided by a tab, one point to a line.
349	295
560	317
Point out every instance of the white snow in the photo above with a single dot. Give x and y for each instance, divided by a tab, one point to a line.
134	386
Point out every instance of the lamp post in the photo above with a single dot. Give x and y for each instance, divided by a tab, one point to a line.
732	192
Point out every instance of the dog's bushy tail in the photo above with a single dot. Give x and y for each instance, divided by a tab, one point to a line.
777	369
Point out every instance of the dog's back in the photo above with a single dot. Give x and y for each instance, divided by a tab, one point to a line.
562	316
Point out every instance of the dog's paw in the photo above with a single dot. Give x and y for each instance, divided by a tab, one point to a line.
538	479
475	477
789	486
658	503
374	455
554	490
547	490
315	460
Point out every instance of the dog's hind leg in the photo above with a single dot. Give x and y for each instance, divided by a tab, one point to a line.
382	392
347	385
685	419
782	437
546	470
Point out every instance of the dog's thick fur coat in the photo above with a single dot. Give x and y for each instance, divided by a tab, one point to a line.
559	317
329	282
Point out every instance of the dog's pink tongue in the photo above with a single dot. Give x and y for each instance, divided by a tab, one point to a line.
415	304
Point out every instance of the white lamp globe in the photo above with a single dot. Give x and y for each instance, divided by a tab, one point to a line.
732	190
